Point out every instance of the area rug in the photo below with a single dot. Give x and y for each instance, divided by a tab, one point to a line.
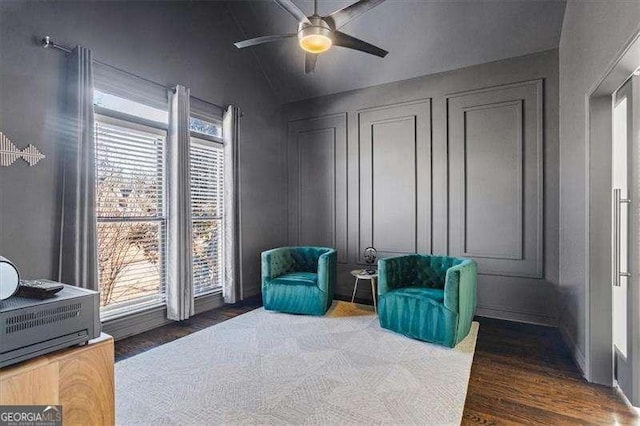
272	368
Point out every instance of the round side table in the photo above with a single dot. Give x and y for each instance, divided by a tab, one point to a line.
362	274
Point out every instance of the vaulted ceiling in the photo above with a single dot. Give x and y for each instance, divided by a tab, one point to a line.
422	36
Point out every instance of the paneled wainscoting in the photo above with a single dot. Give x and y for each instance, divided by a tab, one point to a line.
462	163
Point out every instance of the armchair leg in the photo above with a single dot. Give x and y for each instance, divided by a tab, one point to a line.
355	287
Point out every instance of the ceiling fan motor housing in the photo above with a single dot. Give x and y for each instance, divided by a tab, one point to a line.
315	37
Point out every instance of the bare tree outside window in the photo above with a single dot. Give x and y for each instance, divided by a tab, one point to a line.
206	210
130	210
129	200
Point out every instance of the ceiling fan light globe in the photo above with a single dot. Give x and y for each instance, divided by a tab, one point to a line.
315	43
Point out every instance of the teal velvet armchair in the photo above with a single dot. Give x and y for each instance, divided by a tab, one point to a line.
430	298
299	280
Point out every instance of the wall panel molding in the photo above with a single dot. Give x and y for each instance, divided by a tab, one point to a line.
317	169
395	178
519	275
511	251
495	138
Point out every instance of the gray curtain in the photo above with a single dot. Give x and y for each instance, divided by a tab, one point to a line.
78	251
180	304
230	125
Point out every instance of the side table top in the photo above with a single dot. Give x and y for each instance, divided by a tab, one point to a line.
363	274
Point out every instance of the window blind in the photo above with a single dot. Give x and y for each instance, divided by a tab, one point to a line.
207	193
130	211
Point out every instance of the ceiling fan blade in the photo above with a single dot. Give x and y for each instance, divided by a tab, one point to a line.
293	9
345	40
310	60
342	17
261	40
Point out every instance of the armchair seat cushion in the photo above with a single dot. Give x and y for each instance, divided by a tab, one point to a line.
296	278
418	313
423	293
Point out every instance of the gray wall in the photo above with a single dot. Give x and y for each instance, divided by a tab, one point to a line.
424	36
437	164
168	42
593	35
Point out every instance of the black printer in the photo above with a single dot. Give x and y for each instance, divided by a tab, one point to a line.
31	327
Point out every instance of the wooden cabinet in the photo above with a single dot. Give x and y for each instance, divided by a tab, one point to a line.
80	379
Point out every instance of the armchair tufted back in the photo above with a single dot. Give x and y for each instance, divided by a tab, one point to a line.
294	259
306	258
419	270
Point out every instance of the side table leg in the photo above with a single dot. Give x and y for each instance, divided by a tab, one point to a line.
355	287
373	293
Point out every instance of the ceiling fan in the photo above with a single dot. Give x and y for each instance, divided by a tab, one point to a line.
316	34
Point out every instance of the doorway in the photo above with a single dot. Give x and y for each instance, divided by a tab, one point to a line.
625	259
612	354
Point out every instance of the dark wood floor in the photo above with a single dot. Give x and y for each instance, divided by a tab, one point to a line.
139	343
524	373
521	373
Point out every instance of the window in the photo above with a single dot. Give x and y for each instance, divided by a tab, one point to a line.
205	128
131	222
131	136
207	194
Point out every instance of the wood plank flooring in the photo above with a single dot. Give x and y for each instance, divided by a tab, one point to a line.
521	373
139	343
524	373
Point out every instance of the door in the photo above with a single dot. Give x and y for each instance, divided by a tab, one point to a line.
626	241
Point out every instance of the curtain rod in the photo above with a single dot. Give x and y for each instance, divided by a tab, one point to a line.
48	43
